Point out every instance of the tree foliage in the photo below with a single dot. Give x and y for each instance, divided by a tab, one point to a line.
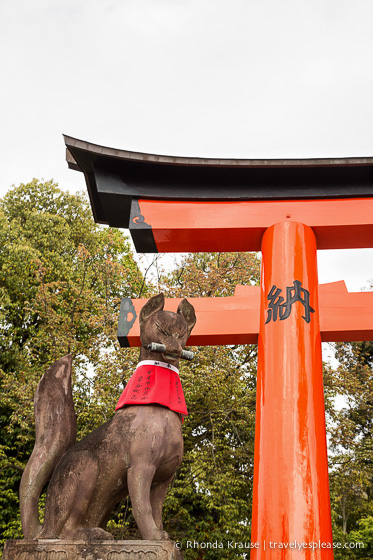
61	280
351	445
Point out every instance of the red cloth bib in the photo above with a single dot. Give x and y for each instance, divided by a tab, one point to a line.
154	382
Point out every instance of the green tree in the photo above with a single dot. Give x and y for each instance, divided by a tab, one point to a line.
364	534
61	280
351	445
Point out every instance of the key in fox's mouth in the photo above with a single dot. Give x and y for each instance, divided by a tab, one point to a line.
171	356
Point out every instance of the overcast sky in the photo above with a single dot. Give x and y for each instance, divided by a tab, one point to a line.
244	78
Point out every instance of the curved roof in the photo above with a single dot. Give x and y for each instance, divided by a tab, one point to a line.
117	177
74	144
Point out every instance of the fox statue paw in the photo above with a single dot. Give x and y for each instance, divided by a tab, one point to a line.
92	534
157	535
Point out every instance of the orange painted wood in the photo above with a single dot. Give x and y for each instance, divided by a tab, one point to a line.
239	226
344	316
228	320
291	486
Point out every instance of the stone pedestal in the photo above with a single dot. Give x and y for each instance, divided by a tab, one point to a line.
98	550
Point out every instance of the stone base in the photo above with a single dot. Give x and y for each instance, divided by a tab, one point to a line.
45	549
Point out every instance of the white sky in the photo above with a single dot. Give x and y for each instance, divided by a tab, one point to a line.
244	78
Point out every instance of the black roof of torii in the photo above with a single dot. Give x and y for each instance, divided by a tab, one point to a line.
116	177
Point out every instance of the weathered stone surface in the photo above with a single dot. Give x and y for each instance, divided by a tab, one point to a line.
135	453
48	549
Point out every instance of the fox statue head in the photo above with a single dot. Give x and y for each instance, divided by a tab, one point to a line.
165	328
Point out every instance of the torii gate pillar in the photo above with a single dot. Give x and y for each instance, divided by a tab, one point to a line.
291	485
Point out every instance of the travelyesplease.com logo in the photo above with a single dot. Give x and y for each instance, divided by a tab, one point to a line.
266	545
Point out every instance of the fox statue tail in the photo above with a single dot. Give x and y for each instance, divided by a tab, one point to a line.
55	424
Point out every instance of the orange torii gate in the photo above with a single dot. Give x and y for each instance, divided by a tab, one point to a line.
287	209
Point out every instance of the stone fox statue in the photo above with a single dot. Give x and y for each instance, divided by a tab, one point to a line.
136	452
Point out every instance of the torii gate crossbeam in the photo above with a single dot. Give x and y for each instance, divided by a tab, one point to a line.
287	209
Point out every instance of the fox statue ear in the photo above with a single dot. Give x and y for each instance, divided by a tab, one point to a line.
156	303
186	310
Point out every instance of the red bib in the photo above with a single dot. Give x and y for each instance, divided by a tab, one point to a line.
155	382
